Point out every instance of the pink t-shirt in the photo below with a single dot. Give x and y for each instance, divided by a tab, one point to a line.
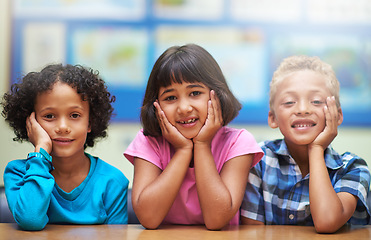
227	144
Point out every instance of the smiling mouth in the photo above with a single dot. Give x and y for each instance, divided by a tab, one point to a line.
189	121
303	125
63	140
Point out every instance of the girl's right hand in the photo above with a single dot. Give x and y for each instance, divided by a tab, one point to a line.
37	135
169	132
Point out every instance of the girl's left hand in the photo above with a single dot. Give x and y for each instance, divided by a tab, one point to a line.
330	131
213	123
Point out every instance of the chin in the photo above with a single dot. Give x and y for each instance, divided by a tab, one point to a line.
304	141
189	135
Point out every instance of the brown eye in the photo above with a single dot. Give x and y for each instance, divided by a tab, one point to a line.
195	93
49	116
75	115
170	98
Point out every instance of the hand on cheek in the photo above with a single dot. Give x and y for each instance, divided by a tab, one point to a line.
37	135
332	119
214	120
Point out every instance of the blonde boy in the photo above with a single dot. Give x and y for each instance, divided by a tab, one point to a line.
302	180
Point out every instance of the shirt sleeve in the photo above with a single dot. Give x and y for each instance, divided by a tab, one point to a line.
355	179
28	188
151	149
116	200
253	202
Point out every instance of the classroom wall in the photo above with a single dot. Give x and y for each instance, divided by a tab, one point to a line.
354	139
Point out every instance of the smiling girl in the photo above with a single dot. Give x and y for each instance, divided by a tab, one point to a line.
61	111
189	168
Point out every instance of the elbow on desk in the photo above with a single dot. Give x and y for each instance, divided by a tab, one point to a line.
31	223
150	226
326	227
322	229
214	225
149	223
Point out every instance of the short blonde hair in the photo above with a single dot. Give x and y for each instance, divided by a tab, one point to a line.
300	63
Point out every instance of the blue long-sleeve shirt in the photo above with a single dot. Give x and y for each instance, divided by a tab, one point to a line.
35	199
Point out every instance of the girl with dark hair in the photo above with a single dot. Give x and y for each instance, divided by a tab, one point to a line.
189	167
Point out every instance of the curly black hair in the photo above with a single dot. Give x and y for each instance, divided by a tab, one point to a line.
19	102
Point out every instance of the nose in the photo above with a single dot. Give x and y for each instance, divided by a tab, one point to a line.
62	126
303	108
184	106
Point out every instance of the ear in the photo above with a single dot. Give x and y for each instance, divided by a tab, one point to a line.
341	118
89	128
272	120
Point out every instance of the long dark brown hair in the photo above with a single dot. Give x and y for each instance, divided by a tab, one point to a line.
189	63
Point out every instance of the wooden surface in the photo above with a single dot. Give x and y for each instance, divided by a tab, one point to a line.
174	232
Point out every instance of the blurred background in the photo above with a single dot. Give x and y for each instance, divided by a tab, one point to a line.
249	38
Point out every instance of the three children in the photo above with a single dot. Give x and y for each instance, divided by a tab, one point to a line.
189	167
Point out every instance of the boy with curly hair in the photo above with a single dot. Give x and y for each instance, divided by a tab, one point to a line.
62	110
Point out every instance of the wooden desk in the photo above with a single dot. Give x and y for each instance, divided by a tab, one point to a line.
92	232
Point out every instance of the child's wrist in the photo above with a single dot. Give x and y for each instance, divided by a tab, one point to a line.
42	154
42	146
316	148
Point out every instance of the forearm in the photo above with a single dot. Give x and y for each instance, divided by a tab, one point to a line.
153	201
326	208
29	195
215	199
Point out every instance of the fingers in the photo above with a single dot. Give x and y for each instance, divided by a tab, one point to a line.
331	112
29	122
160	117
214	109
331	115
37	135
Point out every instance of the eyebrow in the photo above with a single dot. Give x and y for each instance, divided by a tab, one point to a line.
189	86
294	92
70	108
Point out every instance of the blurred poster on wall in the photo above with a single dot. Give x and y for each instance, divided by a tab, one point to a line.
43	43
189	9
120	53
248	38
79	9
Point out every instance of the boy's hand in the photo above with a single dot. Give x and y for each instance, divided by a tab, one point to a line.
331	129
169	132
213	123
37	135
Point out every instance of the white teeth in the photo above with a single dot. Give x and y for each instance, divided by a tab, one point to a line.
303	125
189	121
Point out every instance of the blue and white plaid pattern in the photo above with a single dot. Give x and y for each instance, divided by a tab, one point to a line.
278	195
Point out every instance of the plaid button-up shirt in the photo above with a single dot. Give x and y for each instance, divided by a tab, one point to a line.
277	194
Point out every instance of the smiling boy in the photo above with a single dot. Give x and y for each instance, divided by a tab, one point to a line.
302	180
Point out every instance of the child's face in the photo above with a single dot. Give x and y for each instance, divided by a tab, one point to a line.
65	117
185	106
298	108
